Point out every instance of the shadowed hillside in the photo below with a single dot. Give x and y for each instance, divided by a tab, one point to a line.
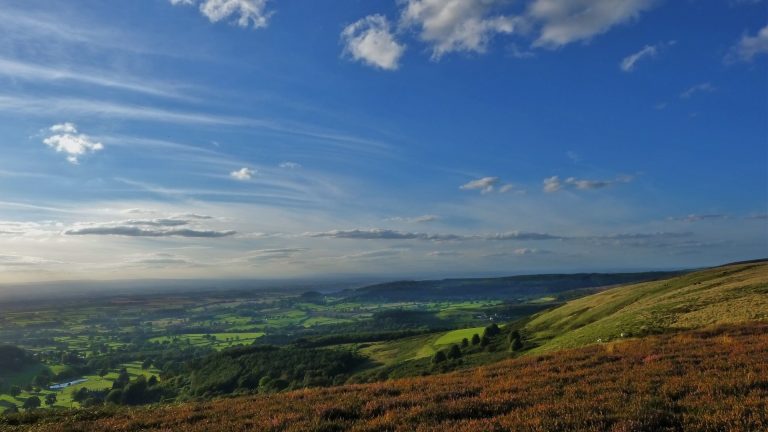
499	288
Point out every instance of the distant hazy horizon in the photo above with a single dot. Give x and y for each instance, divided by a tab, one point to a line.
180	139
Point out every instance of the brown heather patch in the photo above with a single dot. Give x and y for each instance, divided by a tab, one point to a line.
708	380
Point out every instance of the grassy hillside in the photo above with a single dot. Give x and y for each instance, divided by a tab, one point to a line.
729	294
712	380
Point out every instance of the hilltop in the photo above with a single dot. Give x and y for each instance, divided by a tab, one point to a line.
728	294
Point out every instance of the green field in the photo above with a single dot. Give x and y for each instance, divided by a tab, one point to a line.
455	337
215	340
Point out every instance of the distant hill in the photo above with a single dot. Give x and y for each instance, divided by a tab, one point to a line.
728	294
496	288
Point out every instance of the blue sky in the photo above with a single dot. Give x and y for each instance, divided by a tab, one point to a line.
418	138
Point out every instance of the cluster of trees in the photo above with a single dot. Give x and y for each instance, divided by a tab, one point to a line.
267	369
14	359
488	341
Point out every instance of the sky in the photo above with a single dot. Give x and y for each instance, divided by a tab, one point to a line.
388	138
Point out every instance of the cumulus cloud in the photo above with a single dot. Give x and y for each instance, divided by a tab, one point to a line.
484	185
555	183
566	21
371	41
66	139
242	174
457	25
246	13
699	88
750	46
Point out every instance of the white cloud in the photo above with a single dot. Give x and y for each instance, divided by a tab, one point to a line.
554	183
629	62
65	139
699	88
484	185
243	174
511	188
457	25
750	46
370	41
566	21
246	12
289	165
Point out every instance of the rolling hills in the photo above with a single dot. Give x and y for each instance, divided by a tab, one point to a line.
682	353
498	288
729	294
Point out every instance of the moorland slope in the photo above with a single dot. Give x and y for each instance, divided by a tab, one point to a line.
720	295
713	380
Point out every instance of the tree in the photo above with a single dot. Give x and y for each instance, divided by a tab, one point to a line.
32	403
475	339
492	330
42	380
439	357
80	395
13	409
50	399
515	341
454	353
122	380
484	341
152	381
464	343
115	397
146	364
15	390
